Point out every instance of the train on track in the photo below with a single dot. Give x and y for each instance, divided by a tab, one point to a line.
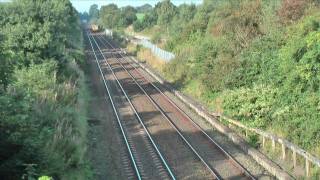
94	28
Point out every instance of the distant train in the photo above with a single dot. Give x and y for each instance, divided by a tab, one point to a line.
94	28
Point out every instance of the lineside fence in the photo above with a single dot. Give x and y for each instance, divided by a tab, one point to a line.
286	146
140	40
165	55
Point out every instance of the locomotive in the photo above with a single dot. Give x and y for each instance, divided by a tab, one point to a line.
94	28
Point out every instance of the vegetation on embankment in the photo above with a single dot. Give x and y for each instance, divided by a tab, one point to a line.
43	96
257	61
146	55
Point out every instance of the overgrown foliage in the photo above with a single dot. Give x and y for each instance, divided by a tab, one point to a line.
113	17
144	8
42	123
256	60
94	13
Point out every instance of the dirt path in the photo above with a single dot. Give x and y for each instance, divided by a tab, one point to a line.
105	149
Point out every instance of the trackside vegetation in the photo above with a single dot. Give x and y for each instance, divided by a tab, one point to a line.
43	96
257	61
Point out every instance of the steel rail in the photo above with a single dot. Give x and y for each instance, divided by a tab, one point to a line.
186	115
116	113
134	109
212	171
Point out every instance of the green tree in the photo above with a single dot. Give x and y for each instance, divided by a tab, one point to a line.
94	13
165	11
186	12
138	26
84	16
6	67
149	20
39	89
144	8
128	16
202	16
33	35
110	16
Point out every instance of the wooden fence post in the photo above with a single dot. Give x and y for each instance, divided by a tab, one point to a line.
283	147
294	157
273	144
286	146
307	168
263	141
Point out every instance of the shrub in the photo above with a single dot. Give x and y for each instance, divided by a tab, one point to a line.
292	10
252	106
42	123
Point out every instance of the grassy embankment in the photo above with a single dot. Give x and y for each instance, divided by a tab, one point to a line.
145	55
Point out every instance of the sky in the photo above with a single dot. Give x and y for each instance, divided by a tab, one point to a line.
84	5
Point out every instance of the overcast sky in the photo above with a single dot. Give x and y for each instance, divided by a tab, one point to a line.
84	5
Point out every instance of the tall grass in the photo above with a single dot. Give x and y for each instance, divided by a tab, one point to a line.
145	55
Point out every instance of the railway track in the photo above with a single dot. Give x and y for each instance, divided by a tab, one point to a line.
180	157
221	164
144	160
180	116
193	147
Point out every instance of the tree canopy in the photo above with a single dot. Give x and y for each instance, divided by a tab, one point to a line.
144	8
94	13
114	17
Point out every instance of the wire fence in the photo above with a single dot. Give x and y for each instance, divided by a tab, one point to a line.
165	55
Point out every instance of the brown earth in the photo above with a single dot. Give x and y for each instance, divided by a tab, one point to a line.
105	147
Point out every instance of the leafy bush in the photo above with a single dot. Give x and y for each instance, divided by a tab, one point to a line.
292	10
138	26
253	106
119	38
301	55
260	58
289	106
42	113
38	120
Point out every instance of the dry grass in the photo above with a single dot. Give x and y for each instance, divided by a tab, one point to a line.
132	48
146	55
